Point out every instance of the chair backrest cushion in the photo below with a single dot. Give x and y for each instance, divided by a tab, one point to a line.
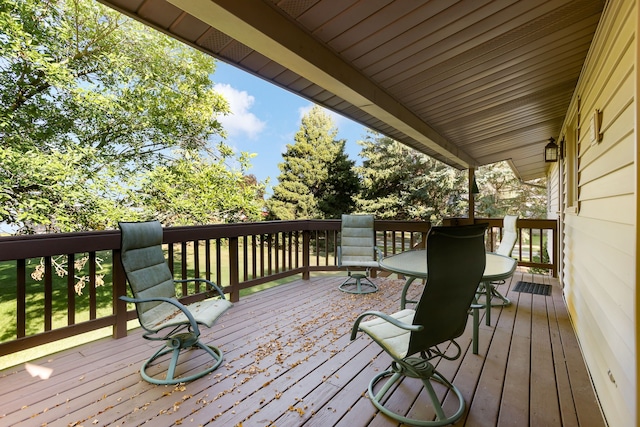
357	239
143	260
509	236
455	263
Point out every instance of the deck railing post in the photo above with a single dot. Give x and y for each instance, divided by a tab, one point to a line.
119	289
306	254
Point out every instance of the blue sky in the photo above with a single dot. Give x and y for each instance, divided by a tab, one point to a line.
265	119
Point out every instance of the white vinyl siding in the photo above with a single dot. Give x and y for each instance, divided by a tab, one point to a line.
599	275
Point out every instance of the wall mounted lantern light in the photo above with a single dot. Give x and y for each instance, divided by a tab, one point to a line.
474	187
551	151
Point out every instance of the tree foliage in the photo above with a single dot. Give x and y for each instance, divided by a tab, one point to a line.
401	183
501	193
89	100
193	191
317	179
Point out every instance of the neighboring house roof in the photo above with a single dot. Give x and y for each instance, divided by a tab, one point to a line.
470	82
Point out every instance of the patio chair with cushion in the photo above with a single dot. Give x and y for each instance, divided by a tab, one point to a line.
413	337
358	250
507	243
162	316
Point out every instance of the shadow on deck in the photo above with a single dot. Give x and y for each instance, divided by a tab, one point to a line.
289	362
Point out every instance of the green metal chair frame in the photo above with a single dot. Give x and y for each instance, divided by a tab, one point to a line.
455	261
358	250
162	316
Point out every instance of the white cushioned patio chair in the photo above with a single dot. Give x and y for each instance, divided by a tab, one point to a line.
358	250
162	316
507	243
413	337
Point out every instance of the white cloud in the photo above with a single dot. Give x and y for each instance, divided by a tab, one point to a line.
240	122
303	111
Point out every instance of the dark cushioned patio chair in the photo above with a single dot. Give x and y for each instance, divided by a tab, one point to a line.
159	311
455	261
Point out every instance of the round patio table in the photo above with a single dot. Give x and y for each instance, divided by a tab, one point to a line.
413	265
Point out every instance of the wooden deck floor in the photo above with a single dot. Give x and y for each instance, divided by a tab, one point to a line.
289	362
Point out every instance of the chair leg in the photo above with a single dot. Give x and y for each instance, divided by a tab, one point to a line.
492	290
366	287
405	289
489	291
175	345
441	418
475	308
494	293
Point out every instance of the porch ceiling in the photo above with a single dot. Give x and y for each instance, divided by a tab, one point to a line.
470	83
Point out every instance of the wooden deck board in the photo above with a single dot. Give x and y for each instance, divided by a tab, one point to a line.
289	361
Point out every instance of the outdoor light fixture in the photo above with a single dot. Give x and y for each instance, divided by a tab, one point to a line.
474	187
551	151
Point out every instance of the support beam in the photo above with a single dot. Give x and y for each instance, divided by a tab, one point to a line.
472	200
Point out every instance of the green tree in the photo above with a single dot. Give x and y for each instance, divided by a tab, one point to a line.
336	195
401	183
193	190
502	193
88	99
317	179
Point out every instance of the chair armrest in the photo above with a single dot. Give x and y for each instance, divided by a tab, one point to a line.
209	283
178	304
386	317
379	254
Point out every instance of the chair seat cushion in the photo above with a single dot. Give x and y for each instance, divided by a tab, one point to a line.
360	263
205	312
394	339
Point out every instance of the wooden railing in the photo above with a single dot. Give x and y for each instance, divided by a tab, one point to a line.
57	286
537	244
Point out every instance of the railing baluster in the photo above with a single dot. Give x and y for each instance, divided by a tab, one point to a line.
270	254
262	255
183	267
21	296
93	299
119	288
219	280
207	259
48	293
254	252
297	249
245	259
196	264
277	252
234	282
170	260
71	295
289	251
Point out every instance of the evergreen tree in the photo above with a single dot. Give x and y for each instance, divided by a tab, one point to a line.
317	178
337	194
401	183
501	193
